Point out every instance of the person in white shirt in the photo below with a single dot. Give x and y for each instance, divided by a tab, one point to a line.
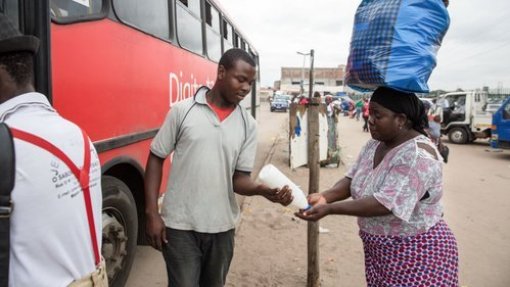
331	112
55	220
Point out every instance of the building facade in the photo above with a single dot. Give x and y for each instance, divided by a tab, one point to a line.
325	79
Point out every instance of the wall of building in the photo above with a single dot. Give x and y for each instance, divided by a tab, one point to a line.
325	79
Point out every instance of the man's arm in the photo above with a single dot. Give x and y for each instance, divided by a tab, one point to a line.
244	185
155	228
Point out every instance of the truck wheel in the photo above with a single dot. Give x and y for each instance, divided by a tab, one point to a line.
458	135
120	227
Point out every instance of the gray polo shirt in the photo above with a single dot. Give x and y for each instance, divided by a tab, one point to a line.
200	194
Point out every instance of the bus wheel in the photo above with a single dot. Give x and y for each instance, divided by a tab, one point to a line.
458	135
120	226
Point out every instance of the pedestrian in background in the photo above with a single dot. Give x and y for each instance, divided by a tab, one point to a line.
303	100
365	111
55	214
213	140
434	133
331	112
396	187
434	129
359	108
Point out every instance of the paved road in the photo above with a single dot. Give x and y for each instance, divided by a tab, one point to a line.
477	207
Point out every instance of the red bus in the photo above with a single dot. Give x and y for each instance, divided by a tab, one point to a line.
115	67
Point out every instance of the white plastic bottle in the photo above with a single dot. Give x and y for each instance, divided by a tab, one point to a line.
274	178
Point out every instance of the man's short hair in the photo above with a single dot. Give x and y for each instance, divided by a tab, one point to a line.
231	56
19	65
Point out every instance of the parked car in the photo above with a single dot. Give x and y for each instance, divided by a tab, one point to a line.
279	104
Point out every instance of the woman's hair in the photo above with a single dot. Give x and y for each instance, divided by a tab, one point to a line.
403	103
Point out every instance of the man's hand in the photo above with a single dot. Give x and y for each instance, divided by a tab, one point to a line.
156	231
315	213
282	196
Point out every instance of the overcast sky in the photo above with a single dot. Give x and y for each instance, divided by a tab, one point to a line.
475	50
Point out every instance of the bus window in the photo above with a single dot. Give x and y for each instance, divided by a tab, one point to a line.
193	5
152	18
10	8
227	36
243	45
65	10
189	25
237	41
212	19
256	58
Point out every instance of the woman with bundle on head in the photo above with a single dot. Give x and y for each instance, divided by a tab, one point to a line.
396	187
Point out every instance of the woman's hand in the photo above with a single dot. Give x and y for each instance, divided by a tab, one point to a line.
316	199
315	213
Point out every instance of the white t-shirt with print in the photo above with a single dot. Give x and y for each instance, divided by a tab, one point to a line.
50	238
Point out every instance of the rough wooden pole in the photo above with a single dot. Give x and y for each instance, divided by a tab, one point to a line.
313	278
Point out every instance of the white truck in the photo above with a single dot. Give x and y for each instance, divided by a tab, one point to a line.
464	116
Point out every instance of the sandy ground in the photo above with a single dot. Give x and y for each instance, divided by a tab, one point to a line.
271	245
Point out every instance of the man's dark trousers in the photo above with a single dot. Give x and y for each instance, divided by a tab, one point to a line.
196	259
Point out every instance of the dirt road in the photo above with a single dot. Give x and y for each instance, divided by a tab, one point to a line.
271	242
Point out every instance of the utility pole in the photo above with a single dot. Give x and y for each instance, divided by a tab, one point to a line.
313	278
302	88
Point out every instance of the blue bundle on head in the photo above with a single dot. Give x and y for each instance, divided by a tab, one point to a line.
394	44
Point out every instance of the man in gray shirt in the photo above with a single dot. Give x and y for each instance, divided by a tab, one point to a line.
213	140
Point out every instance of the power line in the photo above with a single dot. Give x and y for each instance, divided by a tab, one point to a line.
506	43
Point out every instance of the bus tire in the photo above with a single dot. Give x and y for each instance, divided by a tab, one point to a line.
458	135
120	229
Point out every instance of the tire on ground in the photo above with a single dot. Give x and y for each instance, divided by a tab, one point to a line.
458	135
120	229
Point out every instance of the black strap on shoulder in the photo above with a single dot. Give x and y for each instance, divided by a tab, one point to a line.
7	173
178	136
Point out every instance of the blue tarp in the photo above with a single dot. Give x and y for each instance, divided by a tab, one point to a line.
394	44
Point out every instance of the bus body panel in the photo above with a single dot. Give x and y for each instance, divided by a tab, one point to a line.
102	97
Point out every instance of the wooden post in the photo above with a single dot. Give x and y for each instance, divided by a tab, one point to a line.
313	278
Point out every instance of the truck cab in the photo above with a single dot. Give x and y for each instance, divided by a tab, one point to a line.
501	126
464	117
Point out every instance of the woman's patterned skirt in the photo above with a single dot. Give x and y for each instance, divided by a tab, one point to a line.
427	259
